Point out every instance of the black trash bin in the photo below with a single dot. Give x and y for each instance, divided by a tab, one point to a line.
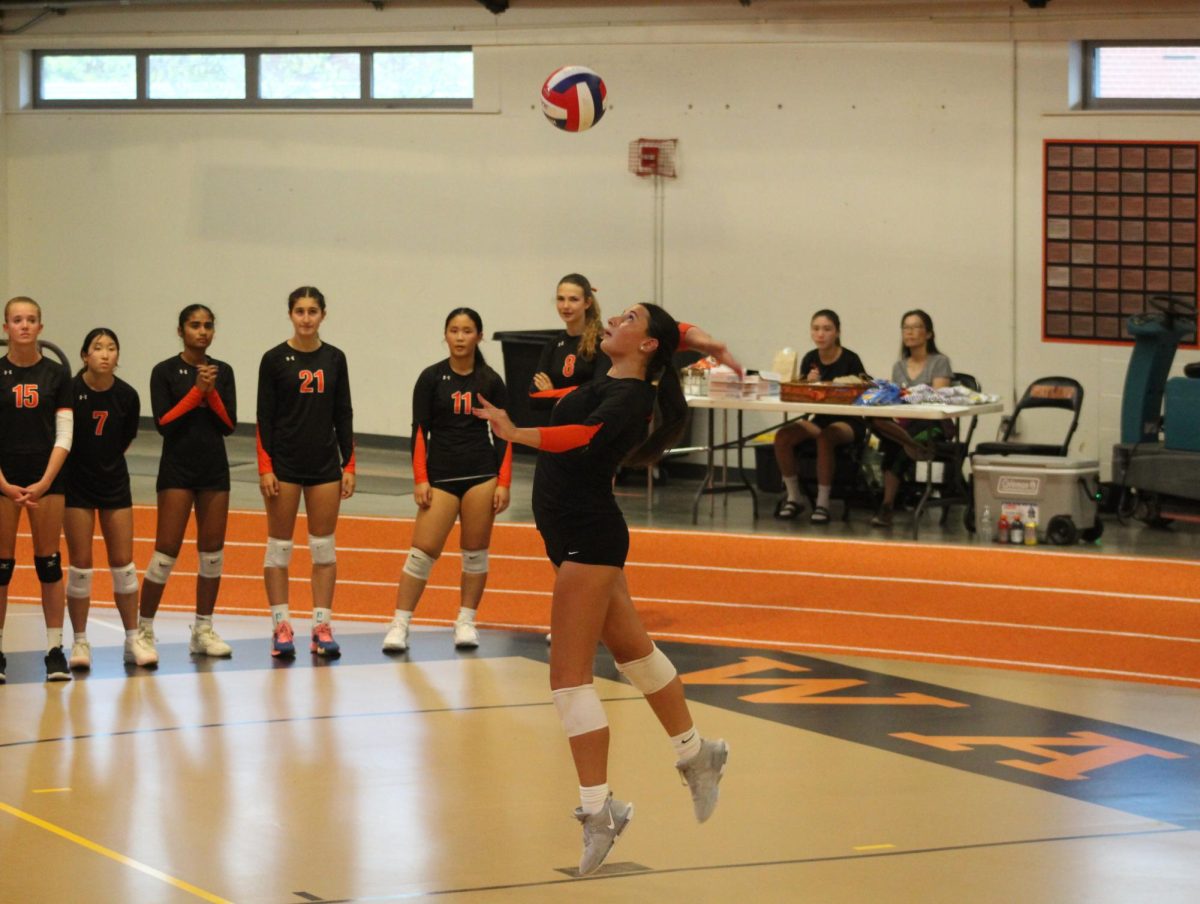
521	350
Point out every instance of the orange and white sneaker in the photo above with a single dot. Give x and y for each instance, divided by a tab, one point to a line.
282	643
323	643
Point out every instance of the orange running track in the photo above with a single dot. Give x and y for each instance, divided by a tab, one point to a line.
1035	609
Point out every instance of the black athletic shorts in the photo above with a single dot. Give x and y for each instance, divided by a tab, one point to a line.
460	487
591	539
117	497
333	477
24	468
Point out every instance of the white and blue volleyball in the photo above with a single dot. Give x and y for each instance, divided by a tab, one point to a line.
574	98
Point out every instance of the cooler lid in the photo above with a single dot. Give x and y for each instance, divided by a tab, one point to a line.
1043	462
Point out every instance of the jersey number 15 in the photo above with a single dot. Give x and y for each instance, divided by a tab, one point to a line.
26	395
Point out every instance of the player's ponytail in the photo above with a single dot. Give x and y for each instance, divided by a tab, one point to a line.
672	406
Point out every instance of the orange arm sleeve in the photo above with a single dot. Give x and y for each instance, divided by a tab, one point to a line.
351	466
506	467
264	460
420	472
218	407
186	404
566	437
552	393
683	328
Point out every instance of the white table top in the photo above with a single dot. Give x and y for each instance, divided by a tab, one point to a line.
912	412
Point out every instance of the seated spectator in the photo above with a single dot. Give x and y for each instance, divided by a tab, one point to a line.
910	440
825	362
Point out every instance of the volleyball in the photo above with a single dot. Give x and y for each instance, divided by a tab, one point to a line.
573	98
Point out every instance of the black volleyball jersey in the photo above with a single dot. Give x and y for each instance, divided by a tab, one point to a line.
448	441
30	399
305	416
106	422
592	430
566	367
193	424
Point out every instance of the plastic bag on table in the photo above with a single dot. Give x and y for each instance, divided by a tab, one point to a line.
882	392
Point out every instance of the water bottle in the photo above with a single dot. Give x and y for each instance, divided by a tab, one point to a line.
985	525
1016	532
1003	530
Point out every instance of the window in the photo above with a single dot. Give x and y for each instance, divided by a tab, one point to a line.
1142	75
392	77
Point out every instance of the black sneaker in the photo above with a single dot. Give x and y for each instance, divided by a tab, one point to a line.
56	665
3	669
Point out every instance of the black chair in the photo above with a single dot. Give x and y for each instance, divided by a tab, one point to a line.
951	452
854	483
1045	392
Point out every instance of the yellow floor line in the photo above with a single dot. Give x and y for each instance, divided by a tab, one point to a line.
113	855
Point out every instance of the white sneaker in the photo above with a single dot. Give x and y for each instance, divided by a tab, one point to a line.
396	639
466	635
601	831
140	651
81	655
207	642
702	774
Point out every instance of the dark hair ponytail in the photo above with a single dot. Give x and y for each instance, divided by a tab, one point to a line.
671	404
91	337
482	369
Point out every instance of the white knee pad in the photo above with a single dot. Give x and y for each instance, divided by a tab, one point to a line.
322	549
160	567
474	561
650	673
419	564
124	579
79	583
279	553
211	564
579	709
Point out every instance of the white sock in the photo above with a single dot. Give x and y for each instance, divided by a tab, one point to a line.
279	614
130	634
466	615
53	638
147	623
591	800
321	616
686	745
80	636
823	495
793	488
402	617
203	620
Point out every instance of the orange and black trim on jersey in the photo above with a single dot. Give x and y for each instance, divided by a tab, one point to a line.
351	464
552	393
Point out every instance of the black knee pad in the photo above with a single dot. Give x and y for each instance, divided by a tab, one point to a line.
48	568
6	570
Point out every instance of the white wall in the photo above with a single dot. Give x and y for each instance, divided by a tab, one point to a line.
855	163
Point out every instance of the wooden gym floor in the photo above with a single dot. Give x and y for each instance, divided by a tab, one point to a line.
1031	775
